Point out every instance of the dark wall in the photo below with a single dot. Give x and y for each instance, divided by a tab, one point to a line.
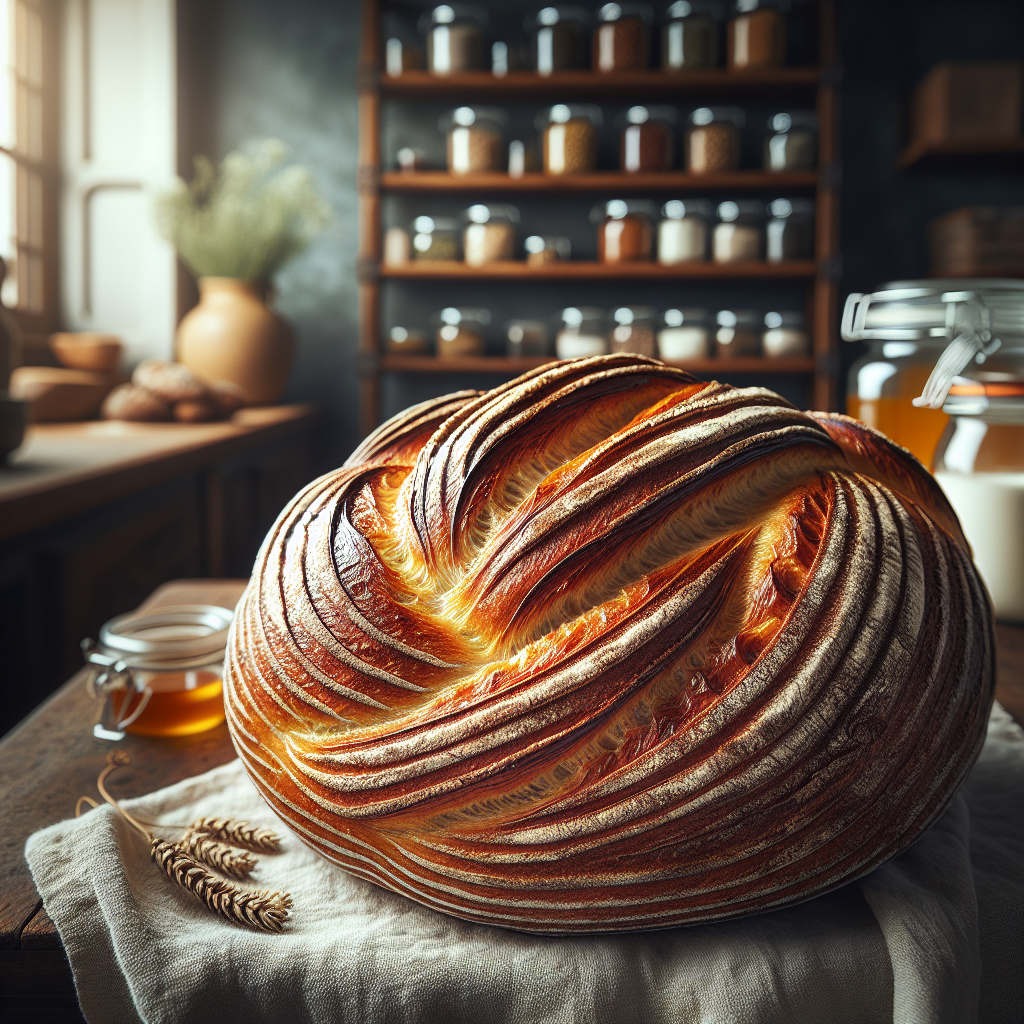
258	68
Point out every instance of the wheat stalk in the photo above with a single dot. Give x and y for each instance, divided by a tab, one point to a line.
238	833
217	855
266	911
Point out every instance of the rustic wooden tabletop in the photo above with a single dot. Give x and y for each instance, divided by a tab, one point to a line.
52	758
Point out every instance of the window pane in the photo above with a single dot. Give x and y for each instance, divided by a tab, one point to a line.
6	77
35	125
33	70
35	207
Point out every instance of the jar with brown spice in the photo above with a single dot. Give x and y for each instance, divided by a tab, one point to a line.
436	238
738	333
559	37
647	137
689	37
624	229
543	249
622	39
790	230
791	143
785	334
634	330
583	333
462	331
683	231
526	338
713	141
474	139
756	36
490	233
569	137
686	335
738	233
455	38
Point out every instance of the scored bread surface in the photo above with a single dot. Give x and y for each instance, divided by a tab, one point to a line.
608	648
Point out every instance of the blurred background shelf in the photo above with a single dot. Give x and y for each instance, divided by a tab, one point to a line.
511	367
946	155
583	270
600	181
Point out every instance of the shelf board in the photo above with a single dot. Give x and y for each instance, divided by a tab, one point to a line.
582	270
600	181
925	154
512	367
420	85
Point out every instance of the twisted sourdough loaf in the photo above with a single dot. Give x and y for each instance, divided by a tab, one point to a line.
607	648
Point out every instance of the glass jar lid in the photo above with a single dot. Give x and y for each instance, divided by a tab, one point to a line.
625	315
554	243
690	315
424	225
467	117
788	120
784	318
679	209
718	115
171	639
737	318
455	316
491	213
617	209
684	8
449	14
642	114
615	12
547	17
782	209
746	6
562	113
576	318
740	209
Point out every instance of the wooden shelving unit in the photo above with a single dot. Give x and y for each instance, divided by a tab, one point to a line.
802	85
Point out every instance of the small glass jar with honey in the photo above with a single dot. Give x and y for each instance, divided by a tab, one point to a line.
159	673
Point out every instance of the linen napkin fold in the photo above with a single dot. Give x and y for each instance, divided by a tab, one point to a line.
143	949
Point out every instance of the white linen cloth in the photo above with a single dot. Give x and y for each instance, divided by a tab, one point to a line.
142	949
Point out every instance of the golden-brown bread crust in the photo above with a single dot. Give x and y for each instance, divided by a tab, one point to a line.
609	648
133	402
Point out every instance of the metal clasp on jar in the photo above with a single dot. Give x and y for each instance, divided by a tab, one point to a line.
111	681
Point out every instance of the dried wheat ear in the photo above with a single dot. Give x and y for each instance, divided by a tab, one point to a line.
207	843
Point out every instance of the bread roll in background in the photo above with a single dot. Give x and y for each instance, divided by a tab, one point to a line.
608	648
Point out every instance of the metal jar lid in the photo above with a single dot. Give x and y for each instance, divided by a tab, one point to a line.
173	638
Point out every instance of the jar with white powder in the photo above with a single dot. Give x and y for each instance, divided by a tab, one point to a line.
739	231
683	231
785	334
686	335
583	333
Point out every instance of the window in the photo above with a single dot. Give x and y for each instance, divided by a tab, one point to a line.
27	209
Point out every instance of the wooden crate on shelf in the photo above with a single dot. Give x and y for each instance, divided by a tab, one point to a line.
818	278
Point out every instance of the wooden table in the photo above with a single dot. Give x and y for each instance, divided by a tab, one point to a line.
52	758
94	516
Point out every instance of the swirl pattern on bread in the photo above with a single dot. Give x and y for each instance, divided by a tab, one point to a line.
609	648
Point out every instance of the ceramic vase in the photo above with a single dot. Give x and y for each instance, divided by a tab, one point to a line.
232	336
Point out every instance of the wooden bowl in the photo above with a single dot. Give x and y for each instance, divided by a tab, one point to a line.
13	418
56	394
87	350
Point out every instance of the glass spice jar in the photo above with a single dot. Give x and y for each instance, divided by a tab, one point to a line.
544	249
159	673
474	139
634	330
785	334
559	37
622	39
569	133
401	341
713	141
624	229
583	333
689	38
791	143
455	39
490	233
526	338
395	251
683	231
462	332
790	230
979	463
738	333
738	233
756	36
401	56
686	335
436	238
647	139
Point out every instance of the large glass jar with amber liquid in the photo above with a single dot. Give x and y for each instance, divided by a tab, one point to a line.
160	673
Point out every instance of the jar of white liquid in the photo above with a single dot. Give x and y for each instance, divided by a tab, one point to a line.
683	231
980	465
686	335
583	333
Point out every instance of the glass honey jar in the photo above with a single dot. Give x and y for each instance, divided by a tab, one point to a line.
159	673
